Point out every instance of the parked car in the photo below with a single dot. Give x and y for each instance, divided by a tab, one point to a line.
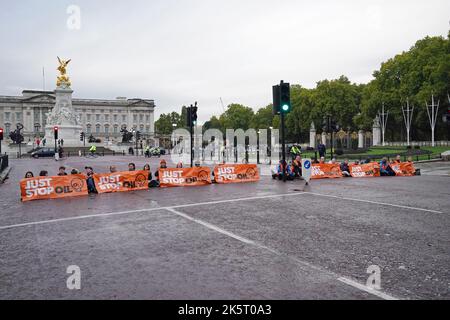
43	153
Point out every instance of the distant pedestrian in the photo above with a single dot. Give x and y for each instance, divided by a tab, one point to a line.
131	167
322	150
62	142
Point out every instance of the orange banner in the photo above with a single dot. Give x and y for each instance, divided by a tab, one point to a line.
325	170
365	170
41	188
404	169
121	181
197	176
236	173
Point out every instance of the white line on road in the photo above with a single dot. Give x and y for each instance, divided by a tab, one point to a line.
349	282
372	202
367	289
146	210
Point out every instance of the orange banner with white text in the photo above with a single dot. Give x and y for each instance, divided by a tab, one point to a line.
186	177
41	188
404	169
325	170
121	181
365	170
236	173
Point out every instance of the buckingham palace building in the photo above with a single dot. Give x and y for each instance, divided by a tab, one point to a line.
101	118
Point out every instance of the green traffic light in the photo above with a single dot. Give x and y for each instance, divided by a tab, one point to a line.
285	107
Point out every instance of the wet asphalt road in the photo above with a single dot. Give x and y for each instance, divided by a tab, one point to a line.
266	240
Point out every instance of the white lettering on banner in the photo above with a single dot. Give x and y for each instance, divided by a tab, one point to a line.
358	172
110	182
317	172
227	173
41	187
173	177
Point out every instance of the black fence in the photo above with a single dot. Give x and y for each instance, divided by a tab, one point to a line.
3	162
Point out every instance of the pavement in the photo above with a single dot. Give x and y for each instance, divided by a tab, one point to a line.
265	240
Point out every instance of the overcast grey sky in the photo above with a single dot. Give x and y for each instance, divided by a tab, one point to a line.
176	52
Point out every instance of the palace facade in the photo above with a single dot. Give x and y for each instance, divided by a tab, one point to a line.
101	118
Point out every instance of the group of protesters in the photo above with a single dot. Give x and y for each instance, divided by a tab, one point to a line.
293	170
89	173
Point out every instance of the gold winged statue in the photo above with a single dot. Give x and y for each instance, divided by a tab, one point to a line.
63	80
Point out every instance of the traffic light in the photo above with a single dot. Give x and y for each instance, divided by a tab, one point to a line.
282	98
194	115
285	97
55	132
82	136
276	99
1	134
138	135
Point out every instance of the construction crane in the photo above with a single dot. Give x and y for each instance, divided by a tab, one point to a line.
223	105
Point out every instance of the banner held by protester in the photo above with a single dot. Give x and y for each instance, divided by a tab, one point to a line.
365	170
326	170
41	188
121	181
236	173
185	177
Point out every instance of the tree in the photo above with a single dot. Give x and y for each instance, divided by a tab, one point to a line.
237	116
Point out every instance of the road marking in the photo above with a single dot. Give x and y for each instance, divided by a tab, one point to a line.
146	210
372	202
349	282
367	289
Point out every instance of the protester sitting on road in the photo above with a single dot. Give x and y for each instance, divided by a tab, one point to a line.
147	168
131	166
356	163
90	180
297	166
368	160
29	174
62	171
43	173
385	168
410	159
162	165
333	161
345	169
322	160
74	171
179	165
112	169
283	171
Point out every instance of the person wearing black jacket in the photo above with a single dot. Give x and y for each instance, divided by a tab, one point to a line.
345	169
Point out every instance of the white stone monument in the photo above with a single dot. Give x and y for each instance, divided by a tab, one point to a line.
63	115
361	139
376	128
312	136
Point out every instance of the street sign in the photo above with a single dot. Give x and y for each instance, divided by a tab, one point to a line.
306	169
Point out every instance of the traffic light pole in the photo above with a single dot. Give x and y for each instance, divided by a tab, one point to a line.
283	146
192	144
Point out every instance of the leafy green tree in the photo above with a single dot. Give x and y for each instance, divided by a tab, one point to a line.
237	116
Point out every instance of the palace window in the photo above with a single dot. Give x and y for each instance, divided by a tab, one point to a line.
7	116
88	129
7	129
